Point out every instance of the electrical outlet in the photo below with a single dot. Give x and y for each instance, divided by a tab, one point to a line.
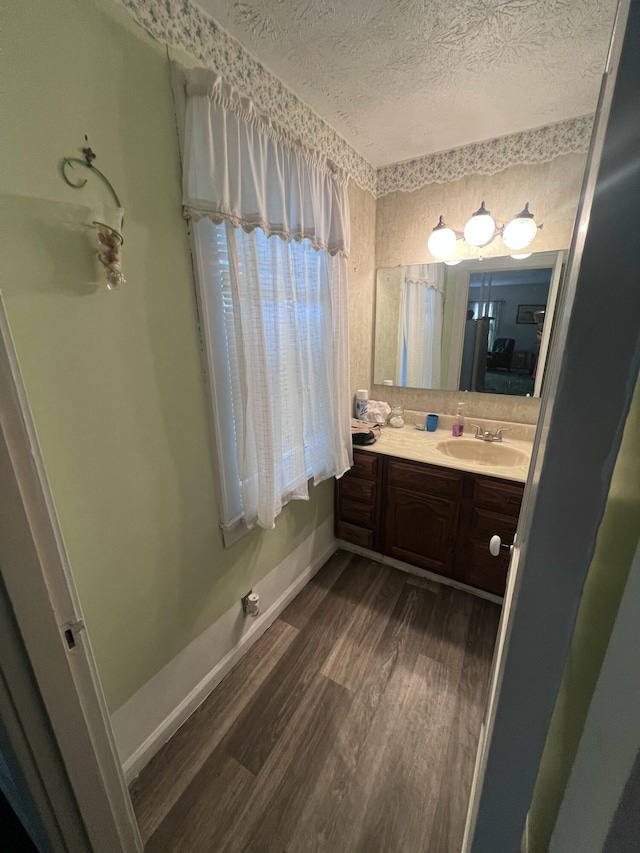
251	603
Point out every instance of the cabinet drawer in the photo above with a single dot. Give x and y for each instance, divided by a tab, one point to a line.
425	479
358	513
357	489
365	465
499	495
355	535
485	524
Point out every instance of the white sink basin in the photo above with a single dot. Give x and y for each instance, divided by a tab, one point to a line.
483	452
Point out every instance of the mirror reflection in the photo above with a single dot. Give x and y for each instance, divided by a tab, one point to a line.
480	325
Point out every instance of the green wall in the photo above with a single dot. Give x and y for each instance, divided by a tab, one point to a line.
114	379
615	548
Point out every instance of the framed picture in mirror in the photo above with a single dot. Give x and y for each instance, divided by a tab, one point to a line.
527	313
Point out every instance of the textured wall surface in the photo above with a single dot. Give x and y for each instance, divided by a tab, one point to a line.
403	223
389	293
362	282
114	380
404	220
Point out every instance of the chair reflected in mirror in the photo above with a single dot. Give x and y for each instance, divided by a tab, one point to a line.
501	354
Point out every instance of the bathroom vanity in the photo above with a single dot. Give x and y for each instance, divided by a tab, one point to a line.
407	499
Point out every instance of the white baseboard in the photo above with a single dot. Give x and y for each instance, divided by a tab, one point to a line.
156	711
421	573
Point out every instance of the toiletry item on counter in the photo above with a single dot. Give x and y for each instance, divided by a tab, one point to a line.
396	418
378	412
363	434
432	423
458	424
362	404
421	421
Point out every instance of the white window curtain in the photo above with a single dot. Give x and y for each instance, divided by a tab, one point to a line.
239	167
271	236
491	310
420	337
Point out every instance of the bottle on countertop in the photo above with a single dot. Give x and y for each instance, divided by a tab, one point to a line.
362	404
458	425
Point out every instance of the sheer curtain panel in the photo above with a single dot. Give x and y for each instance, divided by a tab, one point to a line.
271	236
420	338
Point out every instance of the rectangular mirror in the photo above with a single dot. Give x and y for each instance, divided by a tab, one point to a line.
480	325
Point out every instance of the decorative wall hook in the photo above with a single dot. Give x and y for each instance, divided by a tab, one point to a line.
110	239
87	162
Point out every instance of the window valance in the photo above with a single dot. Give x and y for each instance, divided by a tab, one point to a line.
239	166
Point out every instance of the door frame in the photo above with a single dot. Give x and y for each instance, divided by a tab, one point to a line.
609	745
585	401
36	573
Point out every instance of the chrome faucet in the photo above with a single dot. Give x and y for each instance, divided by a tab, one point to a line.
486	435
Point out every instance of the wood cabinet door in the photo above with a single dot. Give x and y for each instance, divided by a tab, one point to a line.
420	529
480	568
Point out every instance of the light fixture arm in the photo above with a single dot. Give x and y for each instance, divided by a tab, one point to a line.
442	224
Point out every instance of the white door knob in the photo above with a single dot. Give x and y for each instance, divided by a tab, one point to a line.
495	546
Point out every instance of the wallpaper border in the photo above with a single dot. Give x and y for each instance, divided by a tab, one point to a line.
487	158
182	24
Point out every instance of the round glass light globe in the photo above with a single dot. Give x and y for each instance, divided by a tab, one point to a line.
442	242
522	256
519	233
479	229
452	263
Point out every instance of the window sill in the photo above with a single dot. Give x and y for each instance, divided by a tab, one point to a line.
233	534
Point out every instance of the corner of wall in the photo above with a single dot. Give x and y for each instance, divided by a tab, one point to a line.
157	710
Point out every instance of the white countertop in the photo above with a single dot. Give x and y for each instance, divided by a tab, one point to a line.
408	442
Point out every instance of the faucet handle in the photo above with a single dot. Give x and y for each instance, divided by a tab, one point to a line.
498	435
479	431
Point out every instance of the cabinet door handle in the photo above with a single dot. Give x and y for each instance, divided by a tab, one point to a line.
496	545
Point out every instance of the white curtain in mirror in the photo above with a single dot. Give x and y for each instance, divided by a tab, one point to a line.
490	310
420	333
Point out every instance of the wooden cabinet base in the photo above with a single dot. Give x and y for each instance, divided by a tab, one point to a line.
435	518
420	529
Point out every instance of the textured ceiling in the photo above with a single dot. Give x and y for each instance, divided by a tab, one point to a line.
404	78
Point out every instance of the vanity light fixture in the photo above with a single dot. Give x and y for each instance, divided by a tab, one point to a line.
481	229
442	242
518	233
521	256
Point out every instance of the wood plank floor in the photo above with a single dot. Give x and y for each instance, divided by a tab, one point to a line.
351	726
